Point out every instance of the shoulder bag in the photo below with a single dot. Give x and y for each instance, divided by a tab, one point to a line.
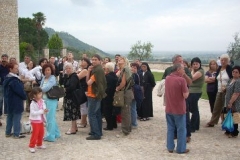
118	98
56	92
79	96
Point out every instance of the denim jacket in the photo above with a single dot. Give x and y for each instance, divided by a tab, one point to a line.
50	83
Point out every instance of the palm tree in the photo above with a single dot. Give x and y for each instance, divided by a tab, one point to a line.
39	20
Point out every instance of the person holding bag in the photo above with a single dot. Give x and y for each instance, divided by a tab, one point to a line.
48	81
232	98
108	109
124	76
71	109
222	77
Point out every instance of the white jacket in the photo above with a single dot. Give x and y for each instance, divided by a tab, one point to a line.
36	112
161	91
161	88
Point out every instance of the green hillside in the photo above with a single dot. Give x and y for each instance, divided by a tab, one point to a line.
72	42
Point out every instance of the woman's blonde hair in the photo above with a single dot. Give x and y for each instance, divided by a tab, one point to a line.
125	60
209	65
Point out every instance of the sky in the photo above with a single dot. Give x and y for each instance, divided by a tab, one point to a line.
116	25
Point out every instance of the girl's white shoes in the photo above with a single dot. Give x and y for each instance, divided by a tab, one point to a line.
32	150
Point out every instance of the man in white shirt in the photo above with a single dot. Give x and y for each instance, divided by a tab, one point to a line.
72	61
23	65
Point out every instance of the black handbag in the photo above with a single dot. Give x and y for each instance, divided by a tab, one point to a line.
56	92
79	96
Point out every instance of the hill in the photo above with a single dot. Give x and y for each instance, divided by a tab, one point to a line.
73	42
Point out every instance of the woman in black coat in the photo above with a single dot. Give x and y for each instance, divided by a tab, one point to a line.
147	83
71	109
108	108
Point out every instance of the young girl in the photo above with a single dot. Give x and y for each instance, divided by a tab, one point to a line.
37	117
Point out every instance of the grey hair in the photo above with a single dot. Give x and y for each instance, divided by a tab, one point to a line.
110	66
176	67
175	57
225	56
68	65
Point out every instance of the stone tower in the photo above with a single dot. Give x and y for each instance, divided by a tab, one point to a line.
9	36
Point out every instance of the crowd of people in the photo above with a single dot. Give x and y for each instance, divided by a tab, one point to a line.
99	79
183	83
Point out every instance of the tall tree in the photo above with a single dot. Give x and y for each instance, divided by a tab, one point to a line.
26	49
234	48
39	21
55	45
28	33
141	51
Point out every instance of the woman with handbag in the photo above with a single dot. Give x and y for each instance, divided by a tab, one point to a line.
27	78
71	109
233	99
48	81
85	63
122	84
224	73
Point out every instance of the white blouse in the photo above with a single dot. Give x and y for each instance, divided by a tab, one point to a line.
222	79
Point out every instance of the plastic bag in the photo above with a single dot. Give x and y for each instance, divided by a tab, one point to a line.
228	122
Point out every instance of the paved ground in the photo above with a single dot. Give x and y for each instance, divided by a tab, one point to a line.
148	142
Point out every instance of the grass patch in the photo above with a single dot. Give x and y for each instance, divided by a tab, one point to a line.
158	77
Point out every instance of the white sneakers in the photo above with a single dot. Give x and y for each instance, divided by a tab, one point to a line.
32	150
41	147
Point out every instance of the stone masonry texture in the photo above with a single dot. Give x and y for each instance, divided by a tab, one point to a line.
9	36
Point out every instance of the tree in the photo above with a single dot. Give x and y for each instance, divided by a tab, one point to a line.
26	49
234	48
39	20
141	51
55	45
28	33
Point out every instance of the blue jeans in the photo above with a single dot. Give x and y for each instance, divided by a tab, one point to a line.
1	99
178	121
95	117
193	108
13	121
134	113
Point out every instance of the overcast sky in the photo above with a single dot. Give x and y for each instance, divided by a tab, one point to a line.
115	25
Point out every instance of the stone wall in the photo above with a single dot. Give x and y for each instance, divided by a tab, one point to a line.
162	66
9	36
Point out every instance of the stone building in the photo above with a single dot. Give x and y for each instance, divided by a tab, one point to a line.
9	35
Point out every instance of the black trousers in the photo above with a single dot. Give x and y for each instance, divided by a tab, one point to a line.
212	98
110	116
